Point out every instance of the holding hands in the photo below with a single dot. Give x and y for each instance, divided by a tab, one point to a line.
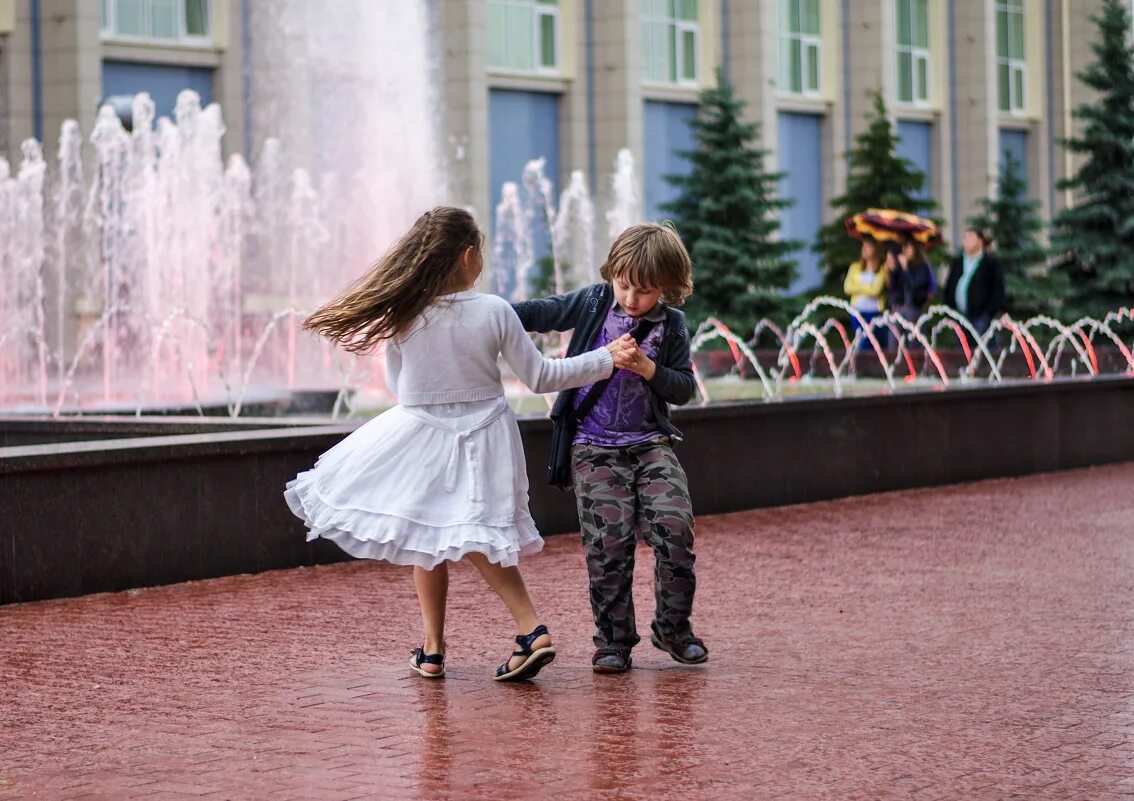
621	344
627	356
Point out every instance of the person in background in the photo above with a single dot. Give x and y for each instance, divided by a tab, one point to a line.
865	285
912	283
975	286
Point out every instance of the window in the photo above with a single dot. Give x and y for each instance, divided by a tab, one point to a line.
913	51
1011	73
164	21
523	35
800	47
671	41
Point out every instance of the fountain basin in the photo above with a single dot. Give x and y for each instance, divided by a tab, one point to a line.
137	508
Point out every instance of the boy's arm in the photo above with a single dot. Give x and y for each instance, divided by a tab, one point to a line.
675	383
557	313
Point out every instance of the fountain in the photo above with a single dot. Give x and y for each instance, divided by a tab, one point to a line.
527	213
626	207
530	222
140	270
986	355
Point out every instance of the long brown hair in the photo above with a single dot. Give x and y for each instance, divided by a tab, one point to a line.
877	253
419	268
918	250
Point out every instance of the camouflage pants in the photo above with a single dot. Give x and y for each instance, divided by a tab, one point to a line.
621	491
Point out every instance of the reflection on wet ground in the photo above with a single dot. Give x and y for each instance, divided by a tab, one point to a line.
964	642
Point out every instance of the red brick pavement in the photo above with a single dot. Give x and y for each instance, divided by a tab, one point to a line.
965	642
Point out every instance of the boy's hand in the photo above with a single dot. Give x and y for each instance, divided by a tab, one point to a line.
635	361
625	357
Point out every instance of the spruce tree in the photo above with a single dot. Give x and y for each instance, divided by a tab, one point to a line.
1015	224
877	178
727	213
1095	237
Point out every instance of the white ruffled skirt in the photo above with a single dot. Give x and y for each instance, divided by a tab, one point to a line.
422	485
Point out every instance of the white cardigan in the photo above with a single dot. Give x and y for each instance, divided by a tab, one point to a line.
450	354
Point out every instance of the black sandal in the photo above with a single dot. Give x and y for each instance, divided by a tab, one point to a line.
534	661
419	657
611	659
680	651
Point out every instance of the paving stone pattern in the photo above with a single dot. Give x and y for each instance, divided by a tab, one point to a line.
965	642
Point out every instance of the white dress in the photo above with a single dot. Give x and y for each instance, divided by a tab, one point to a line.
422	484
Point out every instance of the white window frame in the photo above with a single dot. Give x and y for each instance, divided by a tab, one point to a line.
918	55
538	11
677	28
808	42
109	23
1017	67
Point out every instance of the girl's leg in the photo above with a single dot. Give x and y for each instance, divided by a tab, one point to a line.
509	585
432	591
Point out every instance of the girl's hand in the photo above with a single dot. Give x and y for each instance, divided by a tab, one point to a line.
622	343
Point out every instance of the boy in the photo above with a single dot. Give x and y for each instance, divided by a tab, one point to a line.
615	440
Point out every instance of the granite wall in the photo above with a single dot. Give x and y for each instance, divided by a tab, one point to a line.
94	516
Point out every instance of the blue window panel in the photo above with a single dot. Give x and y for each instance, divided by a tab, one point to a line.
801	161
916	145
162	81
1016	143
522	126
666	131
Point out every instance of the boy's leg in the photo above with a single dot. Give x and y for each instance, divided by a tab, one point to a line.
604	483
667	524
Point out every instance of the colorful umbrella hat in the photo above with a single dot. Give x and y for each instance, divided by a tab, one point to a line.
890	225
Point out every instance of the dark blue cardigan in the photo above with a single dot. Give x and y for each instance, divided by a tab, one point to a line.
585	310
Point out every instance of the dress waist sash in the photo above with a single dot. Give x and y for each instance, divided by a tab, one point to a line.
462	438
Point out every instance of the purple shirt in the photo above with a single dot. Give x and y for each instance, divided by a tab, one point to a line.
624	414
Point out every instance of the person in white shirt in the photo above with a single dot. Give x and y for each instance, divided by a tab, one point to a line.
441	476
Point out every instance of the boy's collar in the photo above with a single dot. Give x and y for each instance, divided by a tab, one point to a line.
655	315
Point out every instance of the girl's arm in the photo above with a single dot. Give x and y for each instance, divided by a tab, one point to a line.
557	313
540	374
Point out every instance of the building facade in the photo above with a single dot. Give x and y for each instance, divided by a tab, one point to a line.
61	59
575	81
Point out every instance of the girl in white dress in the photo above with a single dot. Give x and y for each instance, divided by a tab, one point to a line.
441	476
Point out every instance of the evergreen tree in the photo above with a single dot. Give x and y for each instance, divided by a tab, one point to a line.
877	178
1095	237
728	216
1014	222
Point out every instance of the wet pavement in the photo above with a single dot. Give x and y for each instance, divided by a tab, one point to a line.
974	641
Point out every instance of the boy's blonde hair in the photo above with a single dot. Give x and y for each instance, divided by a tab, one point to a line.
652	255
